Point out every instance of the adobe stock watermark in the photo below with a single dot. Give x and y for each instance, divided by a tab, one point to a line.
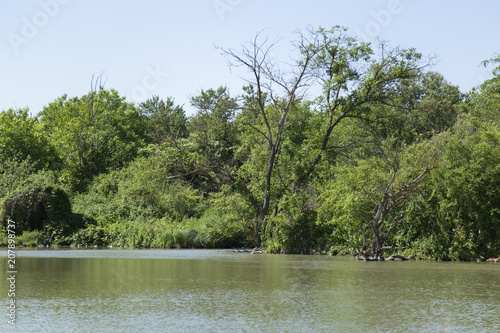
11	272
31	26
381	19
153	79
223	6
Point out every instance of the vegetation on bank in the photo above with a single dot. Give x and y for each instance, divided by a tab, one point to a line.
387	157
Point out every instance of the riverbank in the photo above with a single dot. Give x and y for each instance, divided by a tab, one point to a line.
241	249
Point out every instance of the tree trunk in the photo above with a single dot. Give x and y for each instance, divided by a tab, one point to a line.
374	252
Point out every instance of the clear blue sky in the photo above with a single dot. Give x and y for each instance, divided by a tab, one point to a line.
150	47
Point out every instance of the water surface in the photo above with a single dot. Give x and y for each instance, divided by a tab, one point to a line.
223	291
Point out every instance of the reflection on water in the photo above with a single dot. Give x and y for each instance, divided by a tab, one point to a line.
223	291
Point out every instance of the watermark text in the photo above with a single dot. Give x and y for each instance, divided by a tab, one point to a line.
380	19
153	79
223	6
11	272
31	26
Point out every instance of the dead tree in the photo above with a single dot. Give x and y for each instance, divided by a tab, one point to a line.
390	198
273	97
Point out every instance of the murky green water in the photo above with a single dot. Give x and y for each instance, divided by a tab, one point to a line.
223	291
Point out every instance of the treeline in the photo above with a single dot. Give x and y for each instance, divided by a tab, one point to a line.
346	149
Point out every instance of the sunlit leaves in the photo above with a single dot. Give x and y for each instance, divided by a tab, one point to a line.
22	138
165	120
95	133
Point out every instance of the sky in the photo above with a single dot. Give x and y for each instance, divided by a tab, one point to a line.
49	48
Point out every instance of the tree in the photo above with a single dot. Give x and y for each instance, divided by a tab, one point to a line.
459	218
394	197
349	77
166	121
421	107
95	133
206	151
483	100
212	128
21	138
367	206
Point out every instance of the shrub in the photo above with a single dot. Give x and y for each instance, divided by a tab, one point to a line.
31	238
46	209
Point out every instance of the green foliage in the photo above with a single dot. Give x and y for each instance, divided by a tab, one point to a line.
159	233
27	238
493	61
96	133
42	209
37	201
387	184
483	101
165	120
294	235
94	235
294	227
268	168
420	108
463	211
212	129
140	190
31	238
343	205
13	174
21	139
227	219
137	207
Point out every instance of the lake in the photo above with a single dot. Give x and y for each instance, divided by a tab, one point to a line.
109	290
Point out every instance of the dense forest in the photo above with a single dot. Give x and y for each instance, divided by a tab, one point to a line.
349	148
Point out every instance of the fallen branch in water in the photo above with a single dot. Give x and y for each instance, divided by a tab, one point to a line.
397	256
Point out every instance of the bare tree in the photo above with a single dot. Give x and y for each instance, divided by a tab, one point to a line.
274	96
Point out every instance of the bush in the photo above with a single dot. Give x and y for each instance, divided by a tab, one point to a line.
300	235
31	238
45	209
92	236
295	228
459	220
139	191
